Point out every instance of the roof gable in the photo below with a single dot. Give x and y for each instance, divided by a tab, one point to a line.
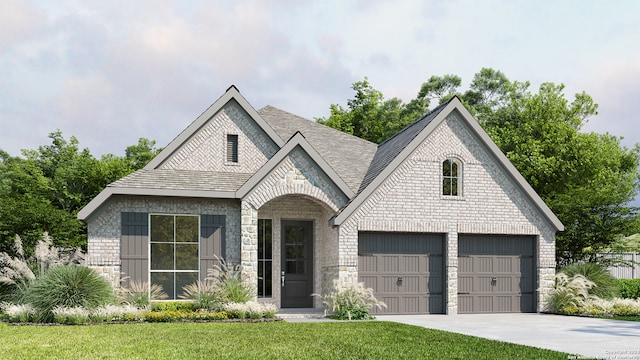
349	156
392	147
232	94
392	153
297	140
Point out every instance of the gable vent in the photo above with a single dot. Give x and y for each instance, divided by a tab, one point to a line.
232	148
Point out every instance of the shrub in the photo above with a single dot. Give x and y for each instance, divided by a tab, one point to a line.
140	294
68	286
70	315
173	306
614	307
181	315
18	313
250	310
205	293
350	301
229	283
629	288
109	313
236	310
605	285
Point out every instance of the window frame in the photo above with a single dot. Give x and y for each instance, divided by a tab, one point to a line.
176	292
458	178
263	261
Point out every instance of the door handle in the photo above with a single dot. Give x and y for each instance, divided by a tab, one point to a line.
494	281
282	278
399	281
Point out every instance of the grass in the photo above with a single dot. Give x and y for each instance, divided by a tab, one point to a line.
625	318
334	340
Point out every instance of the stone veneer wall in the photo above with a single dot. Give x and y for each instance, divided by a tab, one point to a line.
206	150
491	203
295	189
104	227
325	240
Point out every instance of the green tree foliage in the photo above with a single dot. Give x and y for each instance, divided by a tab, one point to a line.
371	117
587	179
43	190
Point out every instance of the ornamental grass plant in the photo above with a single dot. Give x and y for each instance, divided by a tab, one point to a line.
140	293
604	286
205	294
350	301
68	286
229	283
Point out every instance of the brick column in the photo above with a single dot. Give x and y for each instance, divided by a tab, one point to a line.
452	270
249	246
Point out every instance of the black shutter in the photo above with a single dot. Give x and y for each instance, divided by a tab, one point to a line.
134	247
212	241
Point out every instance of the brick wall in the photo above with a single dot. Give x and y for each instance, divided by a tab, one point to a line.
206	150
104	227
490	203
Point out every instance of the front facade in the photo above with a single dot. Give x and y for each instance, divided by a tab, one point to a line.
435	219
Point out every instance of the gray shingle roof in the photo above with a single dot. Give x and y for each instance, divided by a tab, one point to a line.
348	156
182	180
390	148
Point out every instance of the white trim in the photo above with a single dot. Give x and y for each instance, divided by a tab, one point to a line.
173	297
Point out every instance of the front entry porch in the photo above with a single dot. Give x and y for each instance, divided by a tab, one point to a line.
293	250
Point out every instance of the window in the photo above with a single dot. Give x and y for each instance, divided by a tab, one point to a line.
232	148
451	171
174	252
265	258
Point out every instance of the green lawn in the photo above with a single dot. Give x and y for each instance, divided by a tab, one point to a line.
625	318
333	340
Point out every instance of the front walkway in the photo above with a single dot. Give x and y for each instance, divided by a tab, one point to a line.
599	338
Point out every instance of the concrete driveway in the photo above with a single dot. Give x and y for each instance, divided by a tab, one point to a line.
599	338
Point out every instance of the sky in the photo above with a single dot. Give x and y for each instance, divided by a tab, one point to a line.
110	72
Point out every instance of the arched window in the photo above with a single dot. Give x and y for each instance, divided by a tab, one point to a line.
451	177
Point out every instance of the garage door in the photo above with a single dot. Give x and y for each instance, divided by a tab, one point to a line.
405	271
496	274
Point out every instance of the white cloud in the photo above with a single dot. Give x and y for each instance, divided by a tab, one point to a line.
110	72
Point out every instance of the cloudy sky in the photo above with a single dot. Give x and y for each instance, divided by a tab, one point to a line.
110	72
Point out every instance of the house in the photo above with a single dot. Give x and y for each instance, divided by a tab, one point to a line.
435	219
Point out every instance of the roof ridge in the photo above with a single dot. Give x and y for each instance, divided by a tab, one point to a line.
317	123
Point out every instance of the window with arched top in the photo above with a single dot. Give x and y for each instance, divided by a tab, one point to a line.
451	177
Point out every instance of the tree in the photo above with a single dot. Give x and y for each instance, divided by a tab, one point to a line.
44	189
139	155
587	179
371	117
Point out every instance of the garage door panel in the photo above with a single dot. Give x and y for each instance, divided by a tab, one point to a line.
390	264
505	284
505	264
411	263
369	281
368	263
483	264
465	284
465	264
393	305
496	273
409	278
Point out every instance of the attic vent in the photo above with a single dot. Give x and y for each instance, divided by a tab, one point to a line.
232	148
